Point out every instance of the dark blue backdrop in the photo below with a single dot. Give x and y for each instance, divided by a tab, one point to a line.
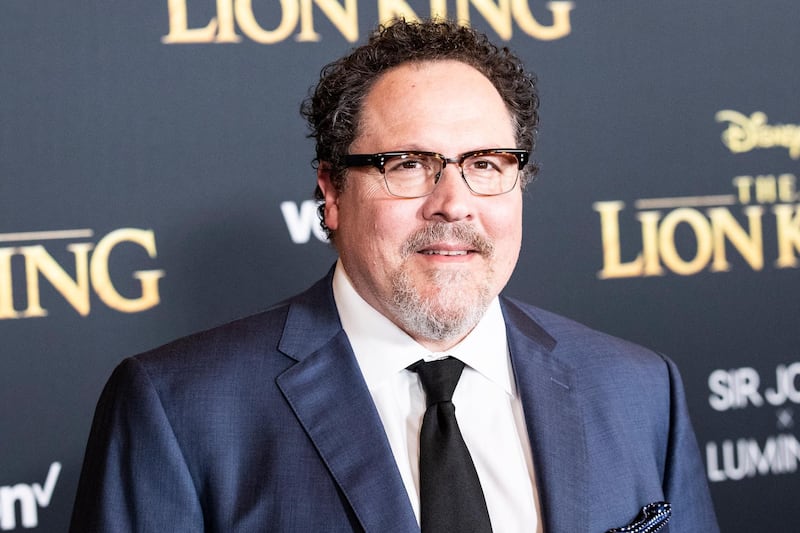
149	189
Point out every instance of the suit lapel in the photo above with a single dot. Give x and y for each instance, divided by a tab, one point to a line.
549	393
330	399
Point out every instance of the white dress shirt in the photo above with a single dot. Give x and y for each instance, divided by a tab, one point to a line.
488	409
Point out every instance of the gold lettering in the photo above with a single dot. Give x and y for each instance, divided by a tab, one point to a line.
743	184
148	278
497	15
788	220
290	13
750	244
652	261
32	287
766	189
438	9
179	32
747	133
613	267
666	241
739	136
6	286
787	191
561	23
222	28
715	233
75	292
227	30
390	9
344	18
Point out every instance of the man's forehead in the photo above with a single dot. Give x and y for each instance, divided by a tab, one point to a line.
419	78
437	83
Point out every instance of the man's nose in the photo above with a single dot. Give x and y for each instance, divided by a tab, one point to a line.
451	199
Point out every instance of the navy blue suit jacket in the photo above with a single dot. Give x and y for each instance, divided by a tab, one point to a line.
266	424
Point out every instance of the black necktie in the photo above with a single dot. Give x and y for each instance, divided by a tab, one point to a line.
451	499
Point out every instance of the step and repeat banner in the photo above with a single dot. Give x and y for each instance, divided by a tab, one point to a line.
156	179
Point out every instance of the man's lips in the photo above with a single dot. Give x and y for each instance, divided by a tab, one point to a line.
453	248
445	252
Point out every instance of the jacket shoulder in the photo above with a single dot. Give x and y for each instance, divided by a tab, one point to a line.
268	341
581	347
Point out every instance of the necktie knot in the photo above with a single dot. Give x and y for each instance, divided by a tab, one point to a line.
439	378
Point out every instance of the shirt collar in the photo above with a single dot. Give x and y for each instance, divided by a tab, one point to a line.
383	349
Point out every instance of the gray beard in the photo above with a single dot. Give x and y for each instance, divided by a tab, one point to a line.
452	312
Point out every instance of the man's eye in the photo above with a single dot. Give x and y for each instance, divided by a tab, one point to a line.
492	163
484	165
406	164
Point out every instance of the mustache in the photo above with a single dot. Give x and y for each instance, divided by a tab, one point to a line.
459	232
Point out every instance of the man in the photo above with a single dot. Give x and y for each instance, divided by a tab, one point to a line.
312	416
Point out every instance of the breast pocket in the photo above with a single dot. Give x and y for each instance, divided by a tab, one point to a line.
653	517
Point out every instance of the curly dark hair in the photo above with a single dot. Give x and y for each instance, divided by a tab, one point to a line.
333	109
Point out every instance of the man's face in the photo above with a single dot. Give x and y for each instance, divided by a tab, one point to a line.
430	264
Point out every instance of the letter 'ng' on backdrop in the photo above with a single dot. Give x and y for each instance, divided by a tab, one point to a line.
155	180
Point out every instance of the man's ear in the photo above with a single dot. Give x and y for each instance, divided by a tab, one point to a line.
330	193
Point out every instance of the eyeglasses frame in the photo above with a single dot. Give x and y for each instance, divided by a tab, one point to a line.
379	161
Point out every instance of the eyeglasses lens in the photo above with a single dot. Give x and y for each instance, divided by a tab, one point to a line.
413	175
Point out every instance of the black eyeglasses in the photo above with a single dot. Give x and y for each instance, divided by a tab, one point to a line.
486	172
